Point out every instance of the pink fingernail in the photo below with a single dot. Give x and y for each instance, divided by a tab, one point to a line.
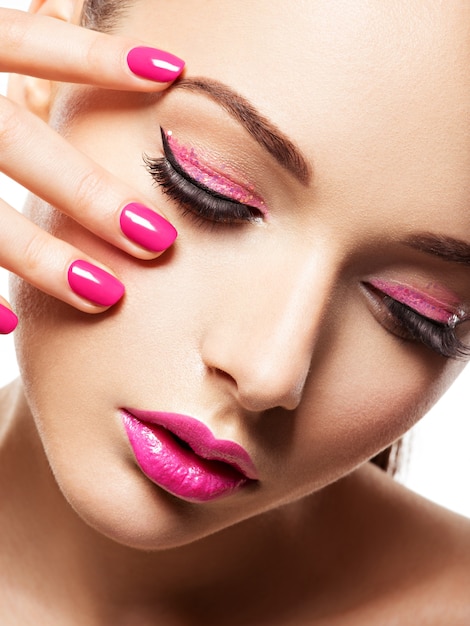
154	64
146	227
94	284
8	320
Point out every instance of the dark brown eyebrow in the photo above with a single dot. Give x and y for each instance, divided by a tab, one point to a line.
259	127
446	248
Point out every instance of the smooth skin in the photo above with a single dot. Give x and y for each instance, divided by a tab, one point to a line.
262	331
45	163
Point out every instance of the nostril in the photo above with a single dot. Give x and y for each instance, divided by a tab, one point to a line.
219	373
261	388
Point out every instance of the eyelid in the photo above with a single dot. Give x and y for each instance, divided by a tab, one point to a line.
408	324
194	199
423	304
187	163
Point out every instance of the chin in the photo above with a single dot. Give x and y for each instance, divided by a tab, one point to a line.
135	513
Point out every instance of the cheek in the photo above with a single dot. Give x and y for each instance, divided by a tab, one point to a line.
362	398
150	339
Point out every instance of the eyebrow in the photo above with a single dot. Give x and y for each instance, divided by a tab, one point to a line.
265	132
446	248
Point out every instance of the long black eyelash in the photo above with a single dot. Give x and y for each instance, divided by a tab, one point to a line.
201	202
439	337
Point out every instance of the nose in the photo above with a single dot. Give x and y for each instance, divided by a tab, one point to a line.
263	338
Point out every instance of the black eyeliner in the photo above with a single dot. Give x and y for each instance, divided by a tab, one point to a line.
195	198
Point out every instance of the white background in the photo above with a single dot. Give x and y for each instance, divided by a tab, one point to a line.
439	467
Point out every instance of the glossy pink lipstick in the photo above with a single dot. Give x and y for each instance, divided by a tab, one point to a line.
182	456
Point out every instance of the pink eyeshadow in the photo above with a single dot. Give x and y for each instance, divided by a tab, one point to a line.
213	180
424	305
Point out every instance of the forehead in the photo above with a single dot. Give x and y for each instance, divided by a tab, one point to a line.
348	55
365	86
346	47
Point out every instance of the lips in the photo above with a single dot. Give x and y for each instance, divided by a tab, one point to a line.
181	455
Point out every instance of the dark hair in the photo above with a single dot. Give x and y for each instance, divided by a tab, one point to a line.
104	15
390	459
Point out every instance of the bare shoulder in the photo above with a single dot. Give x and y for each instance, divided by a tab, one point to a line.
439	535
435	549
412	555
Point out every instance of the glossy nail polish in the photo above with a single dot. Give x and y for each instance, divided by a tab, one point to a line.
8	320
154	64
147	228
94	284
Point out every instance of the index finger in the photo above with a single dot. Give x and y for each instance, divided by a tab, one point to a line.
42	46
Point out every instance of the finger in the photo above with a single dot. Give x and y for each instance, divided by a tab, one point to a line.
54	266
45	47
8	320
74	184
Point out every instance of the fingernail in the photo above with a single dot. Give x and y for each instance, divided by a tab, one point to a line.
154	64
8	320
146	227
94	284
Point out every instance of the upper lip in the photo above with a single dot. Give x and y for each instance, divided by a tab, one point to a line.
200	439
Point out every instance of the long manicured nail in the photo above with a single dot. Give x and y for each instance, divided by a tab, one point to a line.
154	64
94	284
146	227
8	320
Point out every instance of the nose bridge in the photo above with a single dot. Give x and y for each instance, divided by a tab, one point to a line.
266	342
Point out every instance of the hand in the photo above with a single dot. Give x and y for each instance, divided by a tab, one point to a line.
33	154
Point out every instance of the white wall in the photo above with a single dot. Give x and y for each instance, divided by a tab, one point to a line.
440	464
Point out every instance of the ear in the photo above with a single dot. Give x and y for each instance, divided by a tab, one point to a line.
36	93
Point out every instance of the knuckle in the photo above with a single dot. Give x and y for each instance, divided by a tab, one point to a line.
94	55
89	187
35	254
13	30
10	123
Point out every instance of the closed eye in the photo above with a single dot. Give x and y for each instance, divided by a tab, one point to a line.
194	197
403	321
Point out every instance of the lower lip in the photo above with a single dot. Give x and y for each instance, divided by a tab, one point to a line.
176	469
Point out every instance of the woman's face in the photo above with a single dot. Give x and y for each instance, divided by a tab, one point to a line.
273	325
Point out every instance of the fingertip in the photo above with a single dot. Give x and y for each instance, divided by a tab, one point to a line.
8	320
147	228
155	65
94	284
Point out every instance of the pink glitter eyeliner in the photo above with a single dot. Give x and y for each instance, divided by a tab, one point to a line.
424	305
216	181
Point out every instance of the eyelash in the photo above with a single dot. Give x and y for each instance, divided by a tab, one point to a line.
207	206
196	199
439	337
